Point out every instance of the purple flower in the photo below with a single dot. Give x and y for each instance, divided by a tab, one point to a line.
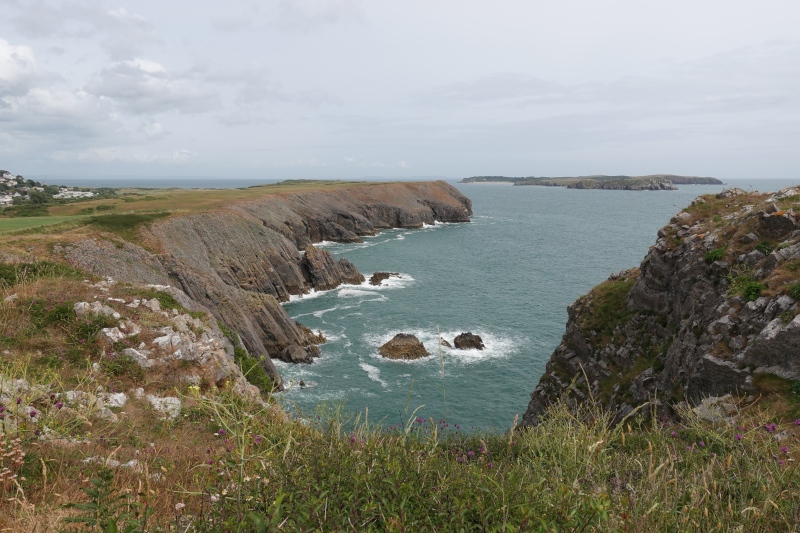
490	464
222	432
701	444
674	433
258	439
19	401
210	462
33	414
470	452
738	436
785	449
797	422
59	405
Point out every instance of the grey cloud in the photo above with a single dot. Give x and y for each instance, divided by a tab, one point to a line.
145	87
18	70
122	34
292	15
743	80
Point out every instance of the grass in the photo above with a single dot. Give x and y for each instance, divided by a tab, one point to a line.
24	223
227	465
606	309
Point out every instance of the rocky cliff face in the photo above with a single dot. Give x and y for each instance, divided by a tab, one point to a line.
241	262
712	310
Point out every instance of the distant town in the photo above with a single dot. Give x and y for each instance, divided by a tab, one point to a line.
16	190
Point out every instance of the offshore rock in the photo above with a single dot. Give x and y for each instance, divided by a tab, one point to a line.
403	346
468	341
378	277
688	323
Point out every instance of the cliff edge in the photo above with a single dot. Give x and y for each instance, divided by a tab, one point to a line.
712	309
242	260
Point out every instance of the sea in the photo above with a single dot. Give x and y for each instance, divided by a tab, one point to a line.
508	276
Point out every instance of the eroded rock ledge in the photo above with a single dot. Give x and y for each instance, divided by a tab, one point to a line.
242	261
712	310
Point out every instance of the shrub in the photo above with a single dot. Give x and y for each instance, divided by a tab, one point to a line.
765	247
715	255
752	290
794	290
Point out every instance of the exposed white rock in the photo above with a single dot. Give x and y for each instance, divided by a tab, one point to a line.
11	298
169	407
140	356
115	400
98	308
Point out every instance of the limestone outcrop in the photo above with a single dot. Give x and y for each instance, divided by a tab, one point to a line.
711	311
403	346
242	261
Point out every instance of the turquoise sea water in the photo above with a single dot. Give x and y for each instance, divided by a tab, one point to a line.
507	276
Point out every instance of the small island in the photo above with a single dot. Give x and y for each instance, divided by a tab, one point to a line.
652	182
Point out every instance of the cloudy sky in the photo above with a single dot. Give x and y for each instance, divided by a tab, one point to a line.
348	88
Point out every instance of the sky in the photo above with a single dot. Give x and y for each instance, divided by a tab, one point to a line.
346	89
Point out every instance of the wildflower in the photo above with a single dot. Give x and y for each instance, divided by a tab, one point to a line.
701	444
738	436
258	439
210	462
674	433
784	449
490	464
470	452
214	498
19	401
797	422
179	506
59	405
33	413
222	432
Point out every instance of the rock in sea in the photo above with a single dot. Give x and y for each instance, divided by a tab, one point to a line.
403	346
468	341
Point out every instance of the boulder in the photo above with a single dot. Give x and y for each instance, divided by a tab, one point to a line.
378	277
403	346
468	341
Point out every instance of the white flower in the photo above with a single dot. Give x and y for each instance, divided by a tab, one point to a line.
179	506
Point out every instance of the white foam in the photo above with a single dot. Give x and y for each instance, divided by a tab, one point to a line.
355	293
392	282
497	345
313	293
373	372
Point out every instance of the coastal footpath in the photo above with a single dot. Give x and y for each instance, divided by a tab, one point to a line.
242	259
711	311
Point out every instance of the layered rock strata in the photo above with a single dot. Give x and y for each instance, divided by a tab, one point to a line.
712	310
242	261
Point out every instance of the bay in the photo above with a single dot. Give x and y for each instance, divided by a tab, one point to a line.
507	276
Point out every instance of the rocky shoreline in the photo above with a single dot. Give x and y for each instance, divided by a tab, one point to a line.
242	261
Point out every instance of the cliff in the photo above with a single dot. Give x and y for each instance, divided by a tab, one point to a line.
712	309
242	260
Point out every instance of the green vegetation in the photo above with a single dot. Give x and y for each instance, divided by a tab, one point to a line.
26	210
250	365
125	224
765	247
794	290
227	465
606	309
744	284
715	255
14	273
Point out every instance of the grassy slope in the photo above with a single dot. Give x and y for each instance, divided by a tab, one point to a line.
224	465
